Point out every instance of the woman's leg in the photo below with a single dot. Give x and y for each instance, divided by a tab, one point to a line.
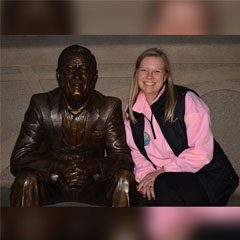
137	200
180	189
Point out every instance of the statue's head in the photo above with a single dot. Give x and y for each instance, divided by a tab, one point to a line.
77	73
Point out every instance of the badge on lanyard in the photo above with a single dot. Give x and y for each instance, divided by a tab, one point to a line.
146	139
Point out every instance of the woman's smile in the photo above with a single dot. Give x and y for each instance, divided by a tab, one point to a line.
151	76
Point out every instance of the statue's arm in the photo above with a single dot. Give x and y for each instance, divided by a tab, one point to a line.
118	154
26	153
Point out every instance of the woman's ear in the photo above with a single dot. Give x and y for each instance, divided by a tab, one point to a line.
165	78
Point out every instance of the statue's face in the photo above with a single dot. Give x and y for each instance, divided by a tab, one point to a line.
77	76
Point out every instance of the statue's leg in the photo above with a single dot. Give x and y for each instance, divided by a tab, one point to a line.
25	191
123	182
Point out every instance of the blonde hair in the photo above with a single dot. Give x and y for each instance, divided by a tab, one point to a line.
134	89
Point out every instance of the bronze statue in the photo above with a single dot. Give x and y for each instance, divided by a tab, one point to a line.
72	144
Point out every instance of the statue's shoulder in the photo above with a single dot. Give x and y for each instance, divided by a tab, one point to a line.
107	100
43	98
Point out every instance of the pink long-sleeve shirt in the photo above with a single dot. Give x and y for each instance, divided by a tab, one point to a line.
199	135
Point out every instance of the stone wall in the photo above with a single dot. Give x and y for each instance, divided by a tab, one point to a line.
209	65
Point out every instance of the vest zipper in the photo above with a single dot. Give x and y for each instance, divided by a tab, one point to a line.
151	124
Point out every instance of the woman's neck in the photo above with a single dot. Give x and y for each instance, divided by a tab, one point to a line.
150	98
153	97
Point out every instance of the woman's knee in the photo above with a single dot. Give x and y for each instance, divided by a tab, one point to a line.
166	190
163	182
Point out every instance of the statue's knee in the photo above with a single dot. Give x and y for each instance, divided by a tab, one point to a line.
123	179
24	190
124	175
26	178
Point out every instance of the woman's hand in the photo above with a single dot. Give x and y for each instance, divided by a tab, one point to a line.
146	186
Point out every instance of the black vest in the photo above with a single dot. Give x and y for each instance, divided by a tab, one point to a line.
218	177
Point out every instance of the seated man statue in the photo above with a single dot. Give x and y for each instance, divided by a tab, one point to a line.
72	146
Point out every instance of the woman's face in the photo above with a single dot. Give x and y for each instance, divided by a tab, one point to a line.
151	77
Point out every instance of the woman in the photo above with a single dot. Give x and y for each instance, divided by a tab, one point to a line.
177	161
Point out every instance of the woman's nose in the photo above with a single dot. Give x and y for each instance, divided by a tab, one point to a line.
149	74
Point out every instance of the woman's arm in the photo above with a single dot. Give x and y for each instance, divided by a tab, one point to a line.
199	134
141	165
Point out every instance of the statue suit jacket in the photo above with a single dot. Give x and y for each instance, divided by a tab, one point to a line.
40	140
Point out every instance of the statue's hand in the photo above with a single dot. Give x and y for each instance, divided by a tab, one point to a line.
91	170
79	175
68	172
